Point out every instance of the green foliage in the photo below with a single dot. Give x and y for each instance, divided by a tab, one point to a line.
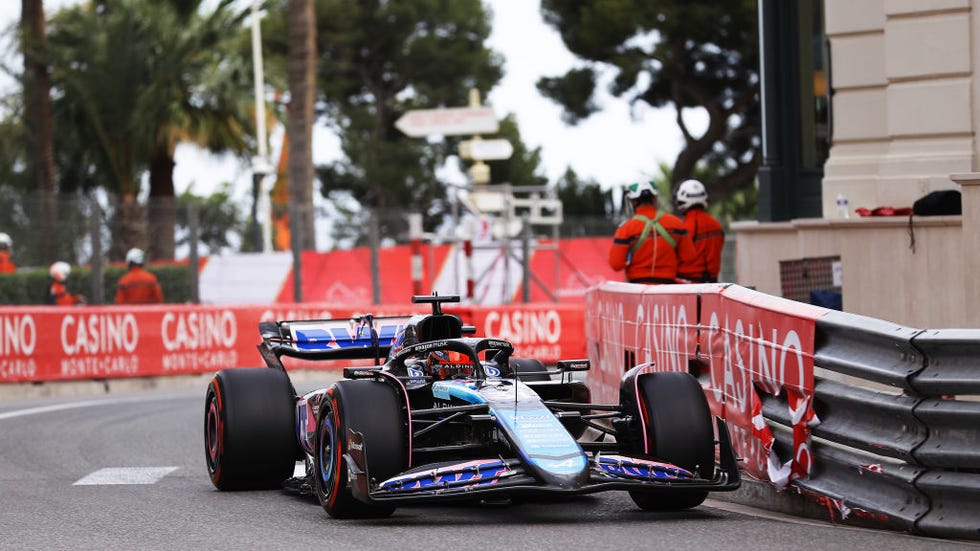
100	83
30	286
587	209
219	219
686	55
130	80
583	197
379	59
524	165
13	161
19	219
738	205
575	91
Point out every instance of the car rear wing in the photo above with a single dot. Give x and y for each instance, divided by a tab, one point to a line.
362	337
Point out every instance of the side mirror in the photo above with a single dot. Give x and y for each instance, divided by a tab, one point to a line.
573	365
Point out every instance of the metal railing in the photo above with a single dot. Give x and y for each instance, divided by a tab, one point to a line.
899	432
93	230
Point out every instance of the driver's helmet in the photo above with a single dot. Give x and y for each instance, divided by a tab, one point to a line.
447	364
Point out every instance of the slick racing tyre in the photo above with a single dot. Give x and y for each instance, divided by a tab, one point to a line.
529	370
249	429
679	429
375	410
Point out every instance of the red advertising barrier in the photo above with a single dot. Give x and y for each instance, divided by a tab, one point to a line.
633	324
546	331
97	342
744	342
346	276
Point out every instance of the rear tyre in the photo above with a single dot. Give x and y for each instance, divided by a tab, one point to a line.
529	370
679	431
249	429
375	410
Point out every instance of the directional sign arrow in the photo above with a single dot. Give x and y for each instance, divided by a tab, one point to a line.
486	150
447	122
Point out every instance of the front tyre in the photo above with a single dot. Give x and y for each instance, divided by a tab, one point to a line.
376	411
678	430
249	429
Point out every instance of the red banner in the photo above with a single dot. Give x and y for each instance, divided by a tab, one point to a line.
749	342
759	343
633	324
546	331
97	342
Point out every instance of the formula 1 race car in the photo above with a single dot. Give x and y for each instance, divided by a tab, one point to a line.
453	416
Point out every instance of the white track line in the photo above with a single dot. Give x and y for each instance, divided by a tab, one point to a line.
125	475
84	404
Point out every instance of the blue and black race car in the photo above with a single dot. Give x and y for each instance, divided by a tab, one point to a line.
443	415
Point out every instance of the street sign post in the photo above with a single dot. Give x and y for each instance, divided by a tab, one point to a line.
486	150
448	121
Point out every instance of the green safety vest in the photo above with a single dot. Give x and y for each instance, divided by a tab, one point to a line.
646	231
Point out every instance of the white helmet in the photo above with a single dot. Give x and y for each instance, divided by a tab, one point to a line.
5	241
135	256
635	190
60	270
690	193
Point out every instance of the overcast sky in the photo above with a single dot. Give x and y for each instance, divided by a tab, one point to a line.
613	147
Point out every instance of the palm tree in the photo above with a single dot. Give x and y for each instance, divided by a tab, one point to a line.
137	77
38	99
301	74
205	99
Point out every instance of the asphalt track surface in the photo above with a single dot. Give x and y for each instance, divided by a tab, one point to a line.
126	471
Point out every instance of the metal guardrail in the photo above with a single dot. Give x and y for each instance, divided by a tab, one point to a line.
878	422
908	458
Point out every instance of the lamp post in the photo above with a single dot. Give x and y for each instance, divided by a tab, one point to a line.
261	235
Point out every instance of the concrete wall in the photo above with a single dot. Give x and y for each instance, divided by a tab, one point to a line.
906	110
904	77
933	284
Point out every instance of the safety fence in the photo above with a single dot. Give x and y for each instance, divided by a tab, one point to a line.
189	236
878	422
99	342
